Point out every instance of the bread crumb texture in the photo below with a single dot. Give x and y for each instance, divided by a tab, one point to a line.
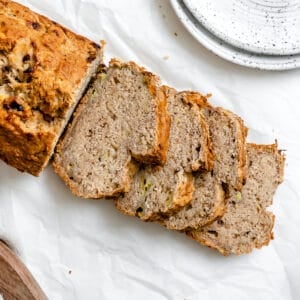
246	223
122	116
159	192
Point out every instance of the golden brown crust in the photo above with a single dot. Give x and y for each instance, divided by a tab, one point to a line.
158	154
40	82
22	150
201	102
122	210
129	212
241	153
196	98
208	243
184	193
220	206
218	211
164	124
278	154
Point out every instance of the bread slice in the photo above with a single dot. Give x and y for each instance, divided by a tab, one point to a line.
160	191
207	204
227	135
122	116
44	70
247	224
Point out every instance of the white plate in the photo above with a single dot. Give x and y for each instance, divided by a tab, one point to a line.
229	51
262	26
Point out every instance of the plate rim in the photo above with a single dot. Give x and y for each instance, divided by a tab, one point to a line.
234	41
229	52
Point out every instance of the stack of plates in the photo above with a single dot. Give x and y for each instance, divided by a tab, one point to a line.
262	34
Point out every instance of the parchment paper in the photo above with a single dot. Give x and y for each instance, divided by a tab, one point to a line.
81	249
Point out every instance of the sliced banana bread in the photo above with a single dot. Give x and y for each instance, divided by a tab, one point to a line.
122	116
208	203
227	135
162	190
246	223
44	70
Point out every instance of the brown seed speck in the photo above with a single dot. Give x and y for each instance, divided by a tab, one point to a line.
13	105
6	69
166	57
139	210
116	80
70	272
90	58
28	70
213	232
33	44
175	33
29	136
96	46
34	25
29	79
220	222
26	57
5	106
48	118
55	32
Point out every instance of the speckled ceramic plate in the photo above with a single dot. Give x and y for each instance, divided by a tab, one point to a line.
262	26
235	51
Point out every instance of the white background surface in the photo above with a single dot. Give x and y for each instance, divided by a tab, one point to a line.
79	249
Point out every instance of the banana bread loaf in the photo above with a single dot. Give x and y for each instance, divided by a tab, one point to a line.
44	70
